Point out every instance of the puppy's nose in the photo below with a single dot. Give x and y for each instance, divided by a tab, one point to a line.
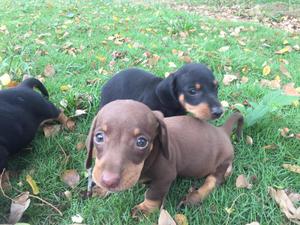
216	112
110	180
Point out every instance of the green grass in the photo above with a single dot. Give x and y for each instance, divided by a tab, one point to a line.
157	28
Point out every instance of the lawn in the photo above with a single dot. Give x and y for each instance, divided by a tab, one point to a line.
87	42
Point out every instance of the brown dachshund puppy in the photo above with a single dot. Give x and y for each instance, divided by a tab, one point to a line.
133	143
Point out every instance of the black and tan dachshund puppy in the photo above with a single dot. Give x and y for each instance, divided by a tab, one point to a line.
193	88
22	110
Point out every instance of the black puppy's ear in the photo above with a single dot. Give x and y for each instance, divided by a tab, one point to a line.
165	90
162	134
90	144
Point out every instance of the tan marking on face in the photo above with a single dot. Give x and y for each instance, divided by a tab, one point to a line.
201	111
146	207
197	86
199	195
104	128
130	174
136	131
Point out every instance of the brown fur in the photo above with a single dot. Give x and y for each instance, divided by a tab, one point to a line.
178	146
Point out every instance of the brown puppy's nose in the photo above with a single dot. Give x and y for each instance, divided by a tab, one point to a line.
110	180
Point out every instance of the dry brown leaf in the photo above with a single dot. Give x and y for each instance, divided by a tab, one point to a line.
49	70
294	197
228	79
297	136
165	218
249	140
270	147
285	132
71	178
80	146
284	50
33	185
68	195
284	70
181	219
266	70
77	219
224	49
51	130
5	79
273	84
172	65
185	59
286	205
292	168
253	223
5	184
244	79
18	207
242	182
289	89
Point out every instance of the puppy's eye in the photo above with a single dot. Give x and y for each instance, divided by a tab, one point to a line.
99	137
192	91
141	142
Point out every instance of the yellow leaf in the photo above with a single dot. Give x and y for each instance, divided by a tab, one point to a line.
101	58
296	103
33	185
285	42
284	50
181	219
266	70
65	87
292	168
5	79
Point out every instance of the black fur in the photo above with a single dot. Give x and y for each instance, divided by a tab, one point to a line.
21	112
162	94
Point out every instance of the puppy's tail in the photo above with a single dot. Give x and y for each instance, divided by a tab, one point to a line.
235	118
35	83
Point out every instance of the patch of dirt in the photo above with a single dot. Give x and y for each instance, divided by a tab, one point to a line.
277	15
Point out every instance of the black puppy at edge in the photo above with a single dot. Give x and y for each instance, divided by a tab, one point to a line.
22	110
193	88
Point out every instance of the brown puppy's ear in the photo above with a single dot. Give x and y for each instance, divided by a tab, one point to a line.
166	91
90	144
162	134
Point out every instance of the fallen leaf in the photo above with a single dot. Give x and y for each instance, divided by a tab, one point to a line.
71	178
266	70
225	104
3	29
242	182
49	70
249	140
63	103
5	79
68	195
253	223
228	79
244	79
229	210
224	49
292	168
294	197
5	184
51	130
18	207
65	87
284	50
284	70
165	218
270	147
296	47
172	65
185	59
80	146
33	185
273	84
77	218
286	205
181	219
79	112
285	132
289	89
297	136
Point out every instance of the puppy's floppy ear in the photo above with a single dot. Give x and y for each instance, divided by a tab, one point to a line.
166	92
162	134
90	144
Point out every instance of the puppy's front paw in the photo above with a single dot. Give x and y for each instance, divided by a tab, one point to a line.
145	208
192	198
